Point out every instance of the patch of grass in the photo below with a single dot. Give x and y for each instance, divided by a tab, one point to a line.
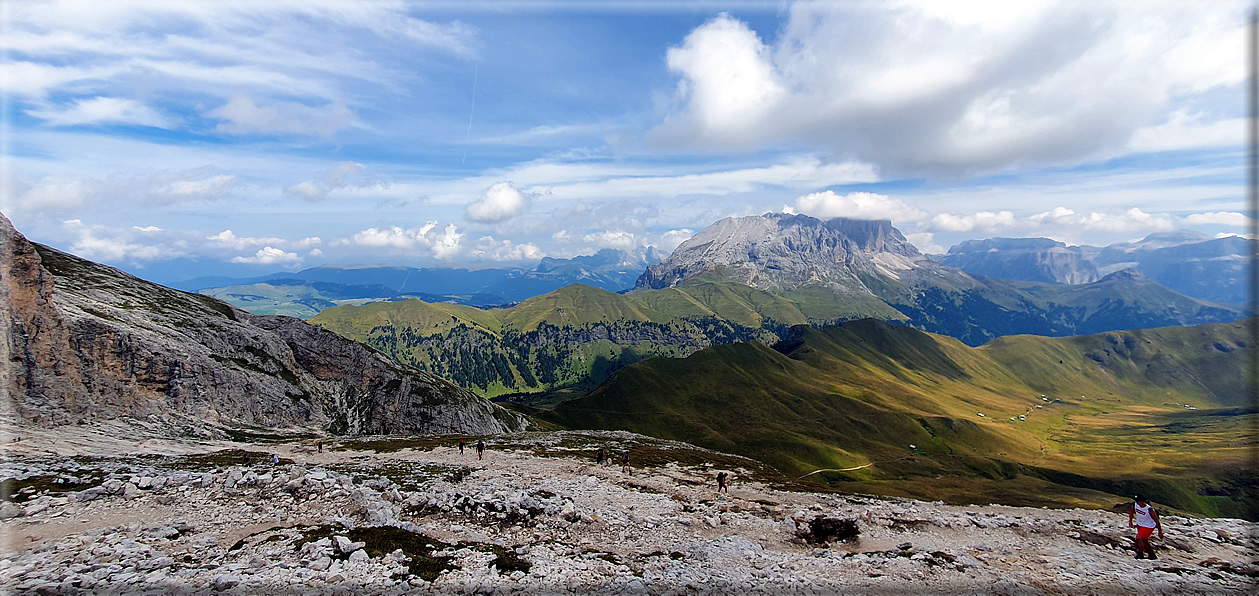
21	491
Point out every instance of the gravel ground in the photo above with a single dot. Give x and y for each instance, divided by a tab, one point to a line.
109	515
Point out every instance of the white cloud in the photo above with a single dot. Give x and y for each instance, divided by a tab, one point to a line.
146	229
499	202
920	85
213	186
670	240
612	239
310	241
102	110
101	244
281	48
338	176
53	193
1184	130
241	116
426	240
487	248
229	239
985	222
1221	218
857	205
728	77
925	241
315	252
269	255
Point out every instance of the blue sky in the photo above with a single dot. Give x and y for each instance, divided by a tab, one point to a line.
177	139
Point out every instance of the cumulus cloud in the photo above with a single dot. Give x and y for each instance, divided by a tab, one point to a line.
1220	218
340	175
857	205
669	241
146	229
487	248
611	239
925	241
426	240
728	77
229	239
1186	130
101	110
269	255
983	221
499	202
920	85
310	241
102	244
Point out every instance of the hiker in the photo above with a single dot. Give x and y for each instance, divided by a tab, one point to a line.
461	444
321	446
480	449
1146	519
625	467
600	456
721	482
275	459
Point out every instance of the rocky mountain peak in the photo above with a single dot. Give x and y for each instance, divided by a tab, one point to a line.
779	251
83	342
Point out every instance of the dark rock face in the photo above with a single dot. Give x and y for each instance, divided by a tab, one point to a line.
84	341
1021	259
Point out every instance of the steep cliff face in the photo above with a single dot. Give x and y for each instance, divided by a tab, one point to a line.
1022	259
84	341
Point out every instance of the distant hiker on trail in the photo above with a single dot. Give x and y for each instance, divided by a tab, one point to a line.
625	467
600	456
1146	519
480	449
275	459
461	444
721	482
321	446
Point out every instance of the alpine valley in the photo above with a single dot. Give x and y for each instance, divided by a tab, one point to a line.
833	352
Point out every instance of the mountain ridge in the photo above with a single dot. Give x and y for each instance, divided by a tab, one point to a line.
85	342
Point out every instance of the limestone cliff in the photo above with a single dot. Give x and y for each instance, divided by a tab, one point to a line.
83	341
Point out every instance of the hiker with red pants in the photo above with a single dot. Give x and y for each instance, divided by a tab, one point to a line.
1146	519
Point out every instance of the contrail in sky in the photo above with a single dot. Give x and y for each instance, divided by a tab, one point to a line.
468	135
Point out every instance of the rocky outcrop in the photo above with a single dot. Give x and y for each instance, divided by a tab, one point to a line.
779	252
1021	259
84	341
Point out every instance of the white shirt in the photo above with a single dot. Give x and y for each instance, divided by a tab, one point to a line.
1143	517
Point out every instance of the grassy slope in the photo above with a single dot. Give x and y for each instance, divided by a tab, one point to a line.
862	392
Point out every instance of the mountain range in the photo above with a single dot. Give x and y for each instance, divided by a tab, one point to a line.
743	279
84	342
1213	269
304	293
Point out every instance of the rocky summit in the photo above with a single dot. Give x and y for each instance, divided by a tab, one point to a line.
84	342
537	515
779	252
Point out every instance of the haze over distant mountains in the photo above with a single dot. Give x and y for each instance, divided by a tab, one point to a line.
1186	261
304	293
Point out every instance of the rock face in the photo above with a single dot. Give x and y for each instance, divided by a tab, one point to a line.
778	252
84	341
1021	259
